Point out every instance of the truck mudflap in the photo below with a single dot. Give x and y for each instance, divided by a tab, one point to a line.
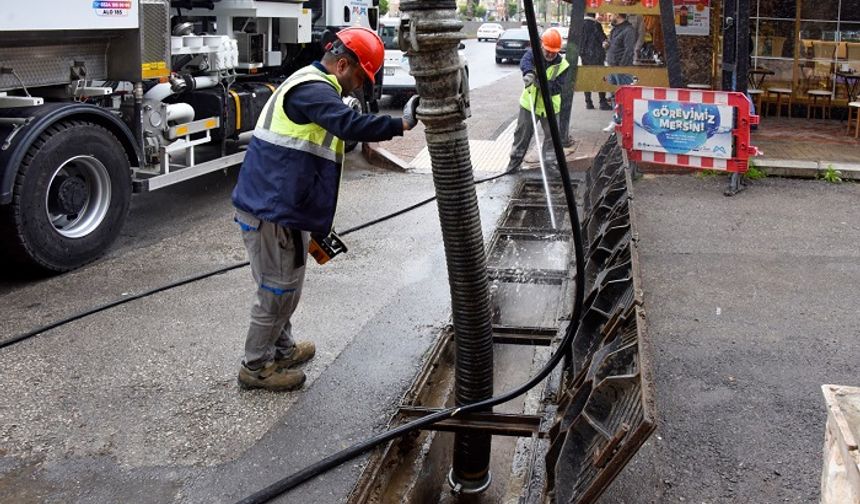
20	127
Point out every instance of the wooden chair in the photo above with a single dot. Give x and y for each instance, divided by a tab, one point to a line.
783	97
854	118
852	54
824	53
814	96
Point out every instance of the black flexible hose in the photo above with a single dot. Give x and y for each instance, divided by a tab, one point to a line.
564	348
113	304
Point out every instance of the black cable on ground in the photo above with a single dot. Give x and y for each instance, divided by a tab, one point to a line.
113	304
564	348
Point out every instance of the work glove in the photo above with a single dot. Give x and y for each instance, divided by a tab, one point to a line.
529	79
409	117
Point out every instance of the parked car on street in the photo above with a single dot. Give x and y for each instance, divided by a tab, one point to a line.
512	44
396	80
489	31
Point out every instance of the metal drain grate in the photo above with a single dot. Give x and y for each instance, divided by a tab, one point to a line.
529	261
606	410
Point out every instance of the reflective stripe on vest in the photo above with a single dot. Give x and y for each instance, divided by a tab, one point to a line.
275	127
531	93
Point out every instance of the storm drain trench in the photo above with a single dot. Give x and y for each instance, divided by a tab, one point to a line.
566	439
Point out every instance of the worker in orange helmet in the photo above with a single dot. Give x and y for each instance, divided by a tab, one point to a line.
288	189
557	75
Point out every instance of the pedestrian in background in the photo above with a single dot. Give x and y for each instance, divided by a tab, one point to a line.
593	53
557	75
620	51
288	188
620	48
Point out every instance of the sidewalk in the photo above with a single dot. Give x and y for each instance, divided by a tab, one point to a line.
803	148
794	147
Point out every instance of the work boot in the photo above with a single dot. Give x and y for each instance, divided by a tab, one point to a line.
302	352
270	378
604	105
590	105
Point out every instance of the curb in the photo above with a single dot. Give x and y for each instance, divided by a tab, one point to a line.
382	158
789	168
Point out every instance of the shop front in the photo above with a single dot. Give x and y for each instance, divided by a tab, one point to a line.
806	45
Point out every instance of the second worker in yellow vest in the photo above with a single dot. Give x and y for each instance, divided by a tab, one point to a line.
557	75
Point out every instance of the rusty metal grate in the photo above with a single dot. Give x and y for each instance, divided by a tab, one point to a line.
605	409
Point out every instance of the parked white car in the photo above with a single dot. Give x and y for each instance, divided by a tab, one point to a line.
489	31
396	80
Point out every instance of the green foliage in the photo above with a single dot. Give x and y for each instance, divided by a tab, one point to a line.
708	173
470	9
832	175
512	9
383	7
754	172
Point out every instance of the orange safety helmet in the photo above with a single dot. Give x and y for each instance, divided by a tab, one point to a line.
551	40
367	47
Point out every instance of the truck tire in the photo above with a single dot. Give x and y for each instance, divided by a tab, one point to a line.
70	199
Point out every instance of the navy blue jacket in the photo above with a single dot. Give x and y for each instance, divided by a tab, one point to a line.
319	103
296	189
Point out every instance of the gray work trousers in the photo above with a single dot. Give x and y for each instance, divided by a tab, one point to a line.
523	137
279	273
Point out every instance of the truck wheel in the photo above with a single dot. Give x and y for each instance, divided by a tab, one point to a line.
70	199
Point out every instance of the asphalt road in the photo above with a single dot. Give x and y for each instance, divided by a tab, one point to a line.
483	69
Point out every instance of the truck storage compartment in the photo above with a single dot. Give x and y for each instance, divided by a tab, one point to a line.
246	98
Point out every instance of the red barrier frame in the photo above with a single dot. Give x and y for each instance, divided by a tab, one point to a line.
744	119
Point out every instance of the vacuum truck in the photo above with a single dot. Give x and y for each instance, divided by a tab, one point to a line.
100	99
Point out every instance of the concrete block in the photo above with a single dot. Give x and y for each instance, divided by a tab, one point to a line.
840	474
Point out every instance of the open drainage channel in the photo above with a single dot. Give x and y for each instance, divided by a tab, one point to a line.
567	441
